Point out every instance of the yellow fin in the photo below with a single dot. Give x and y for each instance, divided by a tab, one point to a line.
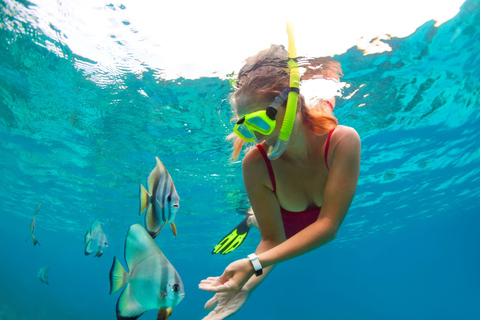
164	313
118	276
144	199
174	228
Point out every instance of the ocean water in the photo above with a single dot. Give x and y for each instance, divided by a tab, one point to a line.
80	142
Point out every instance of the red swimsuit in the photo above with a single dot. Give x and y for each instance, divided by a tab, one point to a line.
294	222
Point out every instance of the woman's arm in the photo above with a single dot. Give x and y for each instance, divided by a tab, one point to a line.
338	195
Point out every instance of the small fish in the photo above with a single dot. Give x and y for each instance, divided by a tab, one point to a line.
161	199
153	282
95	240
42	274
32	228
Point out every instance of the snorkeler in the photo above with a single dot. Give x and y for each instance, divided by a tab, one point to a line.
300	178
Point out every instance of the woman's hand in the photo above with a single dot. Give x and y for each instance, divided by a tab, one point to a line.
231	295
228	303
232	280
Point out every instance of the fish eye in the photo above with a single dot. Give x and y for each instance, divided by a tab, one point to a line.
176	287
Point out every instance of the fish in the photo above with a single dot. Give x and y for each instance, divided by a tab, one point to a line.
237	236
161	199
95	240
42	274
152	281
32	228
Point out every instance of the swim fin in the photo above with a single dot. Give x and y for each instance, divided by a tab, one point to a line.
234	238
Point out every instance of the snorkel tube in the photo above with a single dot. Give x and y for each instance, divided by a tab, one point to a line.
291	110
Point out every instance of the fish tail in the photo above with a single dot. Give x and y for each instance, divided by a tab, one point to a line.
144	199
164	313
118	276
233	239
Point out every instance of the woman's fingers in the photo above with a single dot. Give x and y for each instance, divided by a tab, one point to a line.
212	287
211	303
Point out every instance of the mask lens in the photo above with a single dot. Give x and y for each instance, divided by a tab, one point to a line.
259	123
242	129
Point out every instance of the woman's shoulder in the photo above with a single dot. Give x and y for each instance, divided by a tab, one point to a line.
343	133
346	131
345	140
255	169
253	159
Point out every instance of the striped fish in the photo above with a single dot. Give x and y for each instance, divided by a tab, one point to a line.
32	228
42	274
161	199
152	281
95	240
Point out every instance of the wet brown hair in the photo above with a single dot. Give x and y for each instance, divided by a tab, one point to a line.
265	75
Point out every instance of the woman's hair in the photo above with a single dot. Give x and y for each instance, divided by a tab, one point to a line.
265	75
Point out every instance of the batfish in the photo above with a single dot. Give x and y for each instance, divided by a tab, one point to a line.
42	274
95	240
32	227
161	199
152	281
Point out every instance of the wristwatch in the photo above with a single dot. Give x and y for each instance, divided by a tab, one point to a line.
256	264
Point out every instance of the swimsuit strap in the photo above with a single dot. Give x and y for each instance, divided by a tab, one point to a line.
326	148
329	104
269	167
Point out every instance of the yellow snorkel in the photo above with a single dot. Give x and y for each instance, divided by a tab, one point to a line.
291	110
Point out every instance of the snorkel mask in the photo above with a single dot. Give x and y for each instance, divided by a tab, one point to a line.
263	121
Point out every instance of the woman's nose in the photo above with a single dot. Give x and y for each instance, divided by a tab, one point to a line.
258	137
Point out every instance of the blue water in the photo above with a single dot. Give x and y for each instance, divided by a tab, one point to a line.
80	144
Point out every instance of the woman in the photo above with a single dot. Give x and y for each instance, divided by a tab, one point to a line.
299	199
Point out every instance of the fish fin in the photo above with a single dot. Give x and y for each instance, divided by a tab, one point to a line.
155	234
174	228
155	175
144	198
88	236
99	253
152	223
164	313
96	228
118	276
88	248
128	308
139	245
233	239
38	208
35	241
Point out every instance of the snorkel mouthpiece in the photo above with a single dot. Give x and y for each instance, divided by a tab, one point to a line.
291	109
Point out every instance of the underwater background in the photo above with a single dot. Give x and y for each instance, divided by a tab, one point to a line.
80	143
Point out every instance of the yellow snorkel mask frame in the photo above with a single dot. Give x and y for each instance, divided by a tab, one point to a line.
264	121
